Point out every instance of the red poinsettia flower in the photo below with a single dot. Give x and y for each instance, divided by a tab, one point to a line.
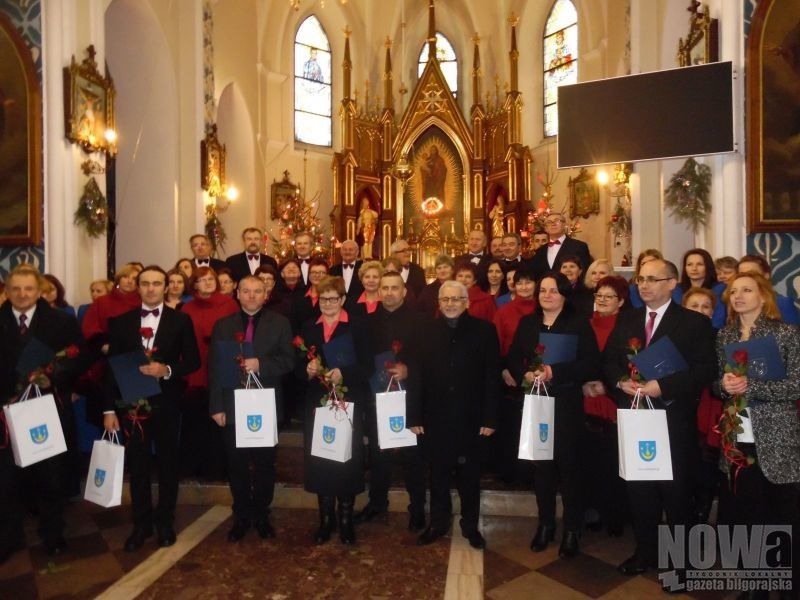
146	332
239	336
397	347
635	344
740	357
72	351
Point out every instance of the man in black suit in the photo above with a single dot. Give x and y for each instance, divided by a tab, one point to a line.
460	391
247	262
413	275
273	356
512	250
392	322
174	355
24	317
476	254
548	256
691	334
201	251
348	269
302	249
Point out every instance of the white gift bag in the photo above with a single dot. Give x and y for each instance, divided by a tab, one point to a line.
256	418
643	440
106	467
34	428
390	409
746	437
537	434
333	433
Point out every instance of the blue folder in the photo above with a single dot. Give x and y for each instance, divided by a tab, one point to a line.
660	359
132	383
559	347
340	352
227	372
764	360
379	380
35	354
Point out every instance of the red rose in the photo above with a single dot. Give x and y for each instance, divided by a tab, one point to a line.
740	357
297	342
146	332
239	336
635	344
72	351
397	347
539	349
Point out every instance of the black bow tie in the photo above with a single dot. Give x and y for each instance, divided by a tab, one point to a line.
347	265
253	257
303	261
476	255
154	312
202	261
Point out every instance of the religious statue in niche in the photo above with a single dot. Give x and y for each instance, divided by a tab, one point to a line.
496	215
434	173
366	225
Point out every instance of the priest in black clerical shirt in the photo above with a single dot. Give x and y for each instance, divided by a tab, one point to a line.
348	269
247	262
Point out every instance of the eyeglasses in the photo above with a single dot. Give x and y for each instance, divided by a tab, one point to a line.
329	299
605	297
451	299
402	250
553	221
650	280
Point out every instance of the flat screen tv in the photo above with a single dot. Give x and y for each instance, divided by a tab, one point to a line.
665	114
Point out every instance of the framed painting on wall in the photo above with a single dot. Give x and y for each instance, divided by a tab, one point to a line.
20	141
89	106
584	195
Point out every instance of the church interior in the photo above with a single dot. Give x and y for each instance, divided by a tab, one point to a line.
128	126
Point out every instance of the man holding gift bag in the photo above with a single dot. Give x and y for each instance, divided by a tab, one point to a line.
265	341
27	321
460	391
678	393
166	337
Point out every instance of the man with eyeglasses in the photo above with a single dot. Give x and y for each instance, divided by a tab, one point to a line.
678	393
548	256
460	391
413	275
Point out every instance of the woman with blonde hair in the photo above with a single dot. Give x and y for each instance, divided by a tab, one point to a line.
369	274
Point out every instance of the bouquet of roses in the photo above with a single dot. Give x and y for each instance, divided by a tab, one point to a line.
41	377
535	364
335	391
139	411
634	345
730	423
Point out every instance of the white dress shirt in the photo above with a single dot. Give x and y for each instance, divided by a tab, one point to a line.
347	275
28	315
552	251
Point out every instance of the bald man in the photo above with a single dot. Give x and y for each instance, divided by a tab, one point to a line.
347	269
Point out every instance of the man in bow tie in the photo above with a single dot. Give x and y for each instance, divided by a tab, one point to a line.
476	254
413	275
247	262
548	256
169	336
302	249
348	269
201	251
512	247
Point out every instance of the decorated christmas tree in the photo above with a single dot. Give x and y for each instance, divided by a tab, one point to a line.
295	215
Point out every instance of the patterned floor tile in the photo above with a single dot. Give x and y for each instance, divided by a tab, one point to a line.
534	586
498	569
573	573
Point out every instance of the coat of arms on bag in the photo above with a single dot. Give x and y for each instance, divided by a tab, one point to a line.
544	431
397	424
328	434
39	434
254	422
647	450
99	477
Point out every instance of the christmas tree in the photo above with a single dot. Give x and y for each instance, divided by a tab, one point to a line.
295	215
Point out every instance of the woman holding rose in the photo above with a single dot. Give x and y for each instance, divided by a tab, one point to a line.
765	473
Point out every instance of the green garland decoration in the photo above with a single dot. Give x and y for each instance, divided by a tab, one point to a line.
620	223
687	196
214	230
92	211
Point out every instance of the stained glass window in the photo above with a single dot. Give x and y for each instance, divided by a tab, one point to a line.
560	58
448	62
312	84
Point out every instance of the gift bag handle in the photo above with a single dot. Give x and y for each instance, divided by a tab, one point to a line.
26	395
397	381
113	437
637	397
254	378
538	385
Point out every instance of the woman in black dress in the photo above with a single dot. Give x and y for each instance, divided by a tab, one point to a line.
329	479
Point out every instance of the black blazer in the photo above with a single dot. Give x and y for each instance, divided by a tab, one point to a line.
54	328
570	247
214	263
272	346
693	337
174	344
240	267
355	289
416	279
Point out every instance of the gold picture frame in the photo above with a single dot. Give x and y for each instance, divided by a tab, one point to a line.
212	163
89	105
282	194
584	195
701	45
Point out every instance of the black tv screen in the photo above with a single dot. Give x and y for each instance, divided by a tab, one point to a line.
665	114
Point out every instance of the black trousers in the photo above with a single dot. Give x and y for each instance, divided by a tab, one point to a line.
161	431
603	489
45	480
201	450
468	480
252	490
380	471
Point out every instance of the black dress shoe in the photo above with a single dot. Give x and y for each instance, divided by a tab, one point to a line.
55	547
166	536
137	538
416	521
544	535
569	545
370	513
634	565
476	539
265	529
240	527
430	535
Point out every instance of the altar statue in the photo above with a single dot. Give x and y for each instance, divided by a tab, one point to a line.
366	225
496	215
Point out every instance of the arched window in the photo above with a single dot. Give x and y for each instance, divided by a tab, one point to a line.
447	61
560	58
312	84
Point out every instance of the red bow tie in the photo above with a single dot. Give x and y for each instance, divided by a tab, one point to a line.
554	243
